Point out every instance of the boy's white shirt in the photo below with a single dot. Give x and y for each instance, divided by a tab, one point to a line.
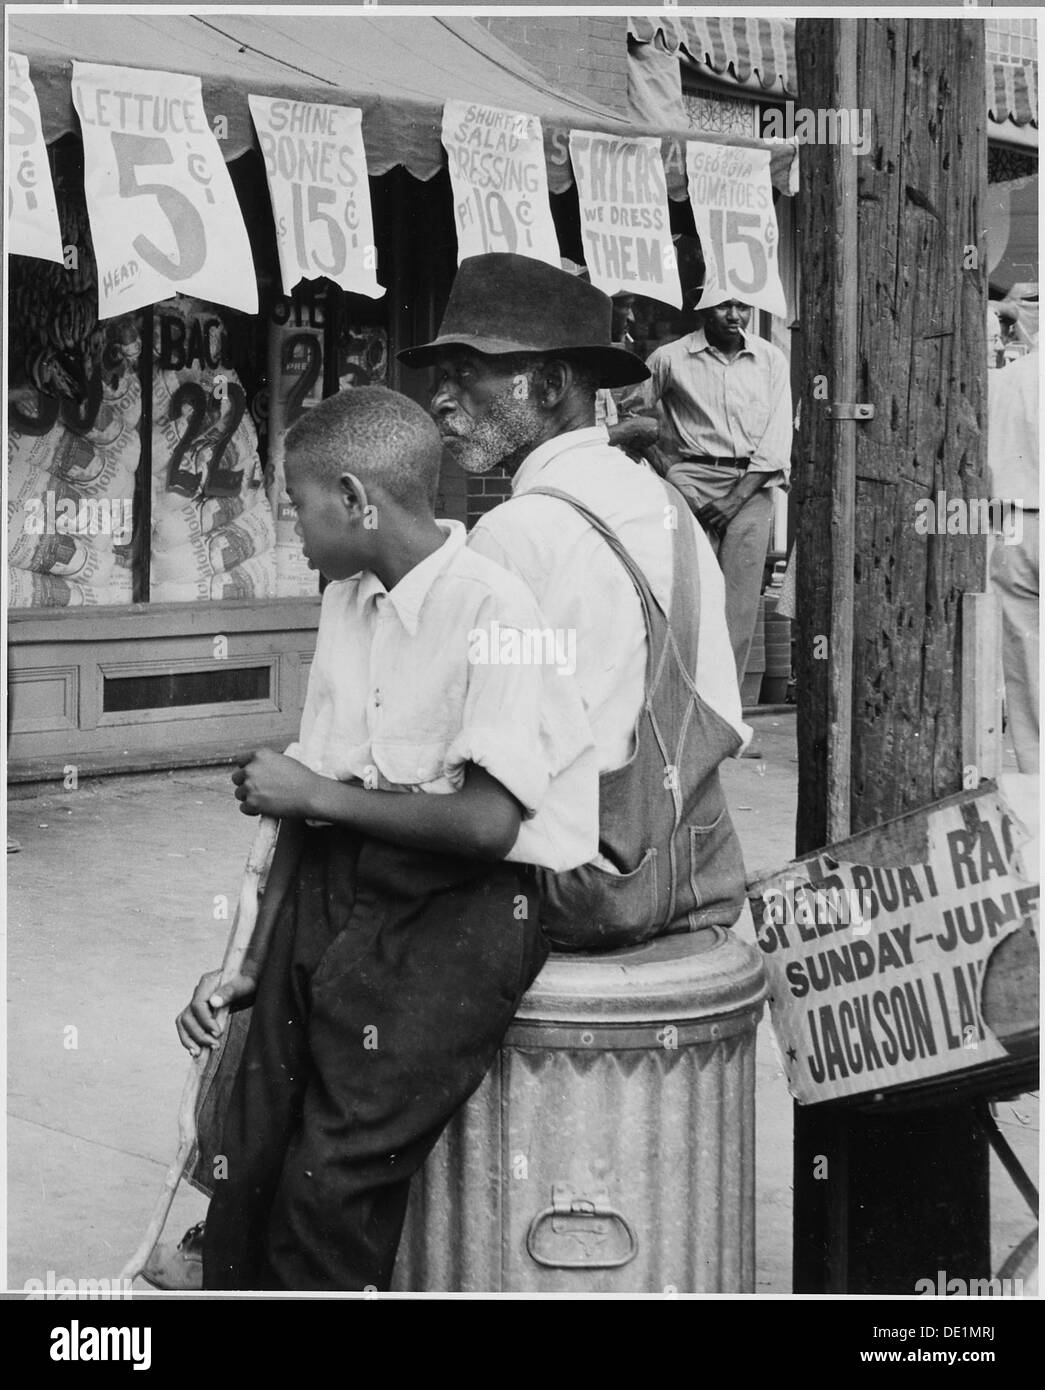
408	685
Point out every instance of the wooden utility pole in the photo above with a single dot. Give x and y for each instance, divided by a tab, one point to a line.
901	1195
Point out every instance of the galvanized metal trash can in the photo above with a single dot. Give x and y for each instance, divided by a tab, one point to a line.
612	1146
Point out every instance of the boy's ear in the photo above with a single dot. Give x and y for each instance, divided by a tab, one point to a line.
353	494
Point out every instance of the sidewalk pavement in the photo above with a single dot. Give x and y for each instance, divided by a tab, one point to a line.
111	910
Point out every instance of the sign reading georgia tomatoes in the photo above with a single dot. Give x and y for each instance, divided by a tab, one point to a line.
499	182
317	178
164	215
731	194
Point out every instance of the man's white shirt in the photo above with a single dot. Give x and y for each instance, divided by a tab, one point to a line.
581	585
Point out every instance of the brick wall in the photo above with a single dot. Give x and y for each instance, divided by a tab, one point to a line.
587	56
485	493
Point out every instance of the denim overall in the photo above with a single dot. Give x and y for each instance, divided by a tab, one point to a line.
662	816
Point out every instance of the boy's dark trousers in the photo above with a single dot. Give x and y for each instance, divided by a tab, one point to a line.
391	979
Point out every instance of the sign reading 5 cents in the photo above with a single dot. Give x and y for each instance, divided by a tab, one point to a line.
164	215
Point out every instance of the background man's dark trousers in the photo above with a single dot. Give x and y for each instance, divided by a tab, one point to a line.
741	548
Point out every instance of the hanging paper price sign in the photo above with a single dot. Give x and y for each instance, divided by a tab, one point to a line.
624	215
732	199
164	215
499	182
33	228
317	177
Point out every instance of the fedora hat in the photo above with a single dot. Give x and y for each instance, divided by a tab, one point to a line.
502	303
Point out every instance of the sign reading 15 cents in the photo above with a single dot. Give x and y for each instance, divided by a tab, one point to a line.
164	215
317	178
731	193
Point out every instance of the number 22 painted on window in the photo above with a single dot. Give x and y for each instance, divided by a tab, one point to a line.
187	225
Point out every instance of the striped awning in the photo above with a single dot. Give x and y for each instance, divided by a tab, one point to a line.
1012	93
759	54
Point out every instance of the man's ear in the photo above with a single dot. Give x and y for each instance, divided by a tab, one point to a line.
353	495
555	381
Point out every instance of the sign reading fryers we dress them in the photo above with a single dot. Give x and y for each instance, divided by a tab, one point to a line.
731	193
164	215
499	182
625	227
317	177
33	228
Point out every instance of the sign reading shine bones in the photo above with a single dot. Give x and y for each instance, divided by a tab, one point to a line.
317	177
876	969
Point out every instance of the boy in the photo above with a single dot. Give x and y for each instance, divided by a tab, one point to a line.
403	927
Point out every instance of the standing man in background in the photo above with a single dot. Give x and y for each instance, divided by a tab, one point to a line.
723	397
1012	451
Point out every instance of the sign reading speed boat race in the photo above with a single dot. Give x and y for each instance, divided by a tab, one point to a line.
164	215
499	182
876	969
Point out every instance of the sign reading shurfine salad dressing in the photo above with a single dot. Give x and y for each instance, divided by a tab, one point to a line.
164	215
876	969
499	182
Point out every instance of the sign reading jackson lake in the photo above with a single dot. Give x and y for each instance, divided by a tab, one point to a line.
876	969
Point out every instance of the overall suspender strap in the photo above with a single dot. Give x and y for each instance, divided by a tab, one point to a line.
685	590
638	578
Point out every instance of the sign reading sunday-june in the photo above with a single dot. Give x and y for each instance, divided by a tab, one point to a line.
33	228
731	193
164	216
317	178
499	182
876	969
624	215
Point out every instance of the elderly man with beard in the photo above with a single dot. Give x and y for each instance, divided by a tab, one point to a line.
615	557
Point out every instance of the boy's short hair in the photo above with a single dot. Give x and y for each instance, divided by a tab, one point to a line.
382	436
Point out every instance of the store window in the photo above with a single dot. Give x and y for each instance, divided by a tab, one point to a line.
145	451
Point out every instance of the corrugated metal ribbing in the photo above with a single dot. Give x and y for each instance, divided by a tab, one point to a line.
602	1157
452	1236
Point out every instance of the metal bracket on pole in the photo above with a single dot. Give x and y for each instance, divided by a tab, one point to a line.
850	410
